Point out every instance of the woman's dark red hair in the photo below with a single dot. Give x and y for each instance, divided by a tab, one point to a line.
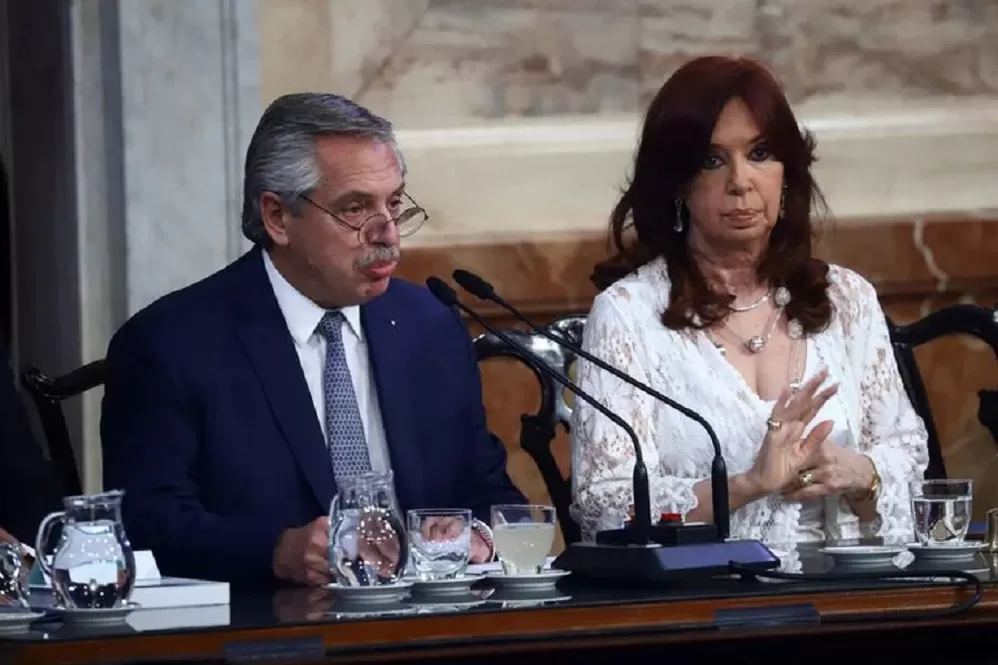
674	144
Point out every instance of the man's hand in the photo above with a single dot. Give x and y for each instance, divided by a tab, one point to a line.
7	538
302	554
480	550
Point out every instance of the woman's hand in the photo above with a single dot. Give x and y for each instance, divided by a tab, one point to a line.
835	470
784	453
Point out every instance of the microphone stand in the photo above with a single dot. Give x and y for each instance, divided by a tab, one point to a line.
721	528
627	555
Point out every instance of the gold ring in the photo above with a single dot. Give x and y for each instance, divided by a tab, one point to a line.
805	477
773	425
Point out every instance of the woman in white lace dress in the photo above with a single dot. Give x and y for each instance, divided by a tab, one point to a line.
715	299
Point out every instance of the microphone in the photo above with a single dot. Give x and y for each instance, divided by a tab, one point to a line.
481	289
714	553
642	523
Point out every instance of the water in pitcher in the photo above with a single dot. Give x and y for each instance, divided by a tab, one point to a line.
523	547
94	574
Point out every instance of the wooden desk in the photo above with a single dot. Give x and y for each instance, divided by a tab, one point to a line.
594	625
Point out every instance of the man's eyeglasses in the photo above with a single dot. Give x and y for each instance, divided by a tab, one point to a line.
371	228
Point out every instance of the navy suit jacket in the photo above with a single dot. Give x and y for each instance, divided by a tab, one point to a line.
208	426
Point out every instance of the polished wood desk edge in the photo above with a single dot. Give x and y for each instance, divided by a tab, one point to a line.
513	631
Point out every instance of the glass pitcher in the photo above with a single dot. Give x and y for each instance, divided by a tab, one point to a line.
368	544
93	566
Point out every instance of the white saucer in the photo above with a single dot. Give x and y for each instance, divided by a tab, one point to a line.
863	556
371	595
542	581
104	616
457	586
371	610
13	620
442	604
944	553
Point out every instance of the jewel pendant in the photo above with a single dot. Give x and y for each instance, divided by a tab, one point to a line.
755	344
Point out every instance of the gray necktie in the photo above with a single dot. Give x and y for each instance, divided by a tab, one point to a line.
344	427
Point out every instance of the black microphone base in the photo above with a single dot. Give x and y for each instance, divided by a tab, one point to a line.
657	563
663	533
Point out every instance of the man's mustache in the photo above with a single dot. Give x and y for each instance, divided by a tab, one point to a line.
380	254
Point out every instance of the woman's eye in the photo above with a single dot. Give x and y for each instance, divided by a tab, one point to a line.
760	153
712	162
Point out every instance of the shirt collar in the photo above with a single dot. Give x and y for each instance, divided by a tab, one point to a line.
300	313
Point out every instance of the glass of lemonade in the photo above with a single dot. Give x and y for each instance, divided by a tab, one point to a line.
941	510
523	537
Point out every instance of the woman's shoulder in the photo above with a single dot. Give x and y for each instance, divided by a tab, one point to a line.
853	296
847	283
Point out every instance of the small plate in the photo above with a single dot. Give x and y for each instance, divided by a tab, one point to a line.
14	620
371	610
941	553
863	556
371	595
527	598
542	581
444	603
85	617
457	586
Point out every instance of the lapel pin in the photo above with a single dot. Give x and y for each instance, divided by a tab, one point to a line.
393	322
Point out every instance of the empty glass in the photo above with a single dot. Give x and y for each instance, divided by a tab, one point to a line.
941	510
441	542
523	537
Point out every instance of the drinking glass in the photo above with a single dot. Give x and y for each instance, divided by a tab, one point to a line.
523	537
941	510
440	541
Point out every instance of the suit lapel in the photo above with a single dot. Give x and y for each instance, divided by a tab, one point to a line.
268	345
385	327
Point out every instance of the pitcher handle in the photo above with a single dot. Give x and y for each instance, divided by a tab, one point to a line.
44	531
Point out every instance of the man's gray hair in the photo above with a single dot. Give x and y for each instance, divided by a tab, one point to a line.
281	154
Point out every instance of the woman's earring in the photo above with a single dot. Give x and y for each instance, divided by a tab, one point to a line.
679	215
783	203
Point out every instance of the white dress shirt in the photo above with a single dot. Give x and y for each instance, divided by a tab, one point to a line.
302	316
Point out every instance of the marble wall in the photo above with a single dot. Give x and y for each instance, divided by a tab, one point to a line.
437	63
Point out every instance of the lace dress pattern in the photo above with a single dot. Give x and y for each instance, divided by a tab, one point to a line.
624	329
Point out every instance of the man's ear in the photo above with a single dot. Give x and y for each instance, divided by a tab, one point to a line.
275	218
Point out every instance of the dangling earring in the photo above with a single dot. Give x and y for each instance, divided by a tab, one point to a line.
679	215
783	203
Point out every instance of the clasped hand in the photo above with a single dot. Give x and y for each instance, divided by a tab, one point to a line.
806	467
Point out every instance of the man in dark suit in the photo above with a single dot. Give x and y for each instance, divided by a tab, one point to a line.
232	406
28	488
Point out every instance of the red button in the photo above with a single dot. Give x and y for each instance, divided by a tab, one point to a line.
672	517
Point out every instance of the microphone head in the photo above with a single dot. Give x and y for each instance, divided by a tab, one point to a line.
474	285
441	291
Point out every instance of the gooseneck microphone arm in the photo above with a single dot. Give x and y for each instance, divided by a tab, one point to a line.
642	493
481	289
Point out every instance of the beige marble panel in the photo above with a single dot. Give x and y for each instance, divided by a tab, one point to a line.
466	62
295	50
833	50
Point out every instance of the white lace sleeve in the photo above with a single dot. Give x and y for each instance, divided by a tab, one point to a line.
602	453
891	433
